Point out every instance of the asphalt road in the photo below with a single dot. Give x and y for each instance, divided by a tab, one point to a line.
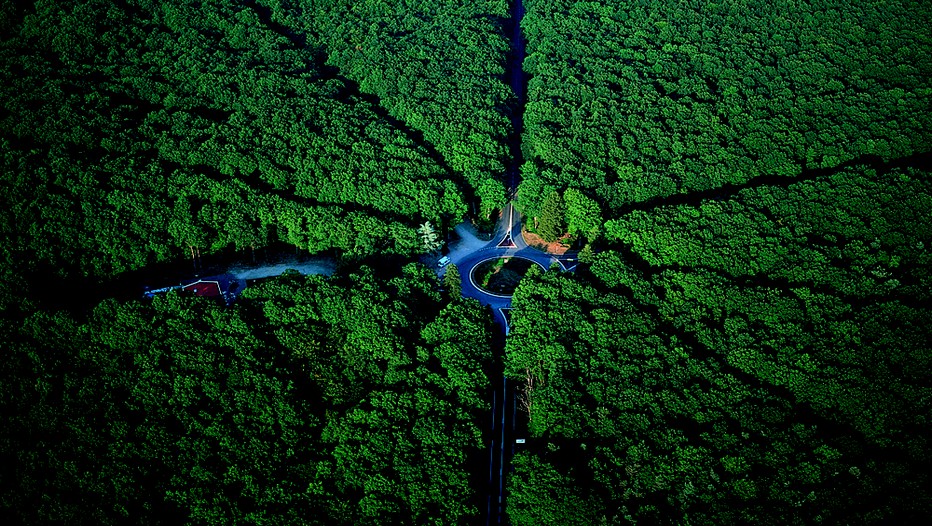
506	242
466	254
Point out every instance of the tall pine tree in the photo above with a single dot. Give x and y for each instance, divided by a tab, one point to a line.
551	223
452	282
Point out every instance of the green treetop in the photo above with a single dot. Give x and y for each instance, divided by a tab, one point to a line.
551	220
452	281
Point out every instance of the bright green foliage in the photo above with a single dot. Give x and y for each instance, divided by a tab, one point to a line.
429	238
459	338
311	401
130	134
452	281
491	193
542	495
583	215
749	344
641	99
436	65
551	223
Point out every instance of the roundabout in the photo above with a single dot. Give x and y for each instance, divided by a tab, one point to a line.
499	276
507	243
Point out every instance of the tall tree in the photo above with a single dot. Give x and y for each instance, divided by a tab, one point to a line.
583	216
551	223
429	237
492	197
453	281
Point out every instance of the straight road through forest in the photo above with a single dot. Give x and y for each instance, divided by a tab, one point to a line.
467	254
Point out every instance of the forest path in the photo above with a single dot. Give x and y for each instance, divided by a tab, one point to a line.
506	241
317	265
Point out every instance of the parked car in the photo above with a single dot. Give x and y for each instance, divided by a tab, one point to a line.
444	261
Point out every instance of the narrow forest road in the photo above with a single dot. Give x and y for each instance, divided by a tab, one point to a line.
467	254
507	241
316	265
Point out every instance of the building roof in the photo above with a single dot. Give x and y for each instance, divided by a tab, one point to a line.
206	288
224	286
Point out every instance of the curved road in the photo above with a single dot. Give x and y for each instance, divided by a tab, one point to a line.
506	242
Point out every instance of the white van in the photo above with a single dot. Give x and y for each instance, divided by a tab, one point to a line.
444	261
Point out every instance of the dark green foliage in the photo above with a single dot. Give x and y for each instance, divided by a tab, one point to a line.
634	100
746	341
809	279
860	231
348	401
551	222
452	281
436	65
124	419
754	351
715	405
130	134
747	356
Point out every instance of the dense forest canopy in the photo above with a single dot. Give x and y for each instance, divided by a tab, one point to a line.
760	359
437	65
744	341
350	401
134	131
719	404
749	341
635	100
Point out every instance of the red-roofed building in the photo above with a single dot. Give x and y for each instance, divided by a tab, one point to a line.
210	289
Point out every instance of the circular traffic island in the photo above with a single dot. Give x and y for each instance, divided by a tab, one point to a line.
500	276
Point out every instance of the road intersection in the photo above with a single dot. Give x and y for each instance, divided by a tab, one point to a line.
506	242
467	254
